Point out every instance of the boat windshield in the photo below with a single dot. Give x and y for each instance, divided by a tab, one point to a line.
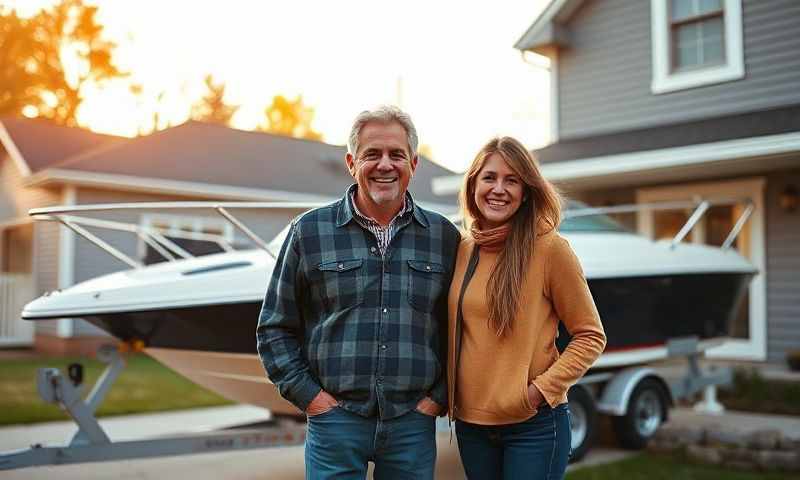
598	222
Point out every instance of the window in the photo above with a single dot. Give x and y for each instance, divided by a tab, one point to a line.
696	33
195	235
696	43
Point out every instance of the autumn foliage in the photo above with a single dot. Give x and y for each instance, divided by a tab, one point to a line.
47	60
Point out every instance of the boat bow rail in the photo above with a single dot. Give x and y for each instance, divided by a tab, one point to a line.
698	206
159	238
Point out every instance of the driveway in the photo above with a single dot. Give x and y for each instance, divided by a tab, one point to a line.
276	463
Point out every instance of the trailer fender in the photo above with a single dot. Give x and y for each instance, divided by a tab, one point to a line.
617	392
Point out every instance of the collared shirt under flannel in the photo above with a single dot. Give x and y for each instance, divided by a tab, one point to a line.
382	234
370	329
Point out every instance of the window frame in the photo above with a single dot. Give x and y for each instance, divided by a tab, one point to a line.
668	79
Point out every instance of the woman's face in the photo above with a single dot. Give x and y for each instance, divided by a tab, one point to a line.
498	192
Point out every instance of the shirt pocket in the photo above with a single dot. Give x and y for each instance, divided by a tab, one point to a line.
342	283
425	284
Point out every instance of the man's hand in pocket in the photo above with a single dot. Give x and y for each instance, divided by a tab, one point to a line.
322	403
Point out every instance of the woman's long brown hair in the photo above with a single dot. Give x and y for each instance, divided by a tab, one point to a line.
541	207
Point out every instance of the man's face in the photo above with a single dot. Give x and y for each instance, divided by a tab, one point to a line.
383	164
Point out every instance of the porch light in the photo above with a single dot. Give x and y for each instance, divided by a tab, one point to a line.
789	199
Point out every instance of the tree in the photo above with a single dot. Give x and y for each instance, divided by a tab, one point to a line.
290	118
47	60
212	107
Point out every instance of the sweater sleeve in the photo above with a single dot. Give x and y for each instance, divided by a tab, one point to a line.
573	304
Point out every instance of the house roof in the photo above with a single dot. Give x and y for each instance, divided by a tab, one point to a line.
548	30
741	144
708	130
215	160
41	143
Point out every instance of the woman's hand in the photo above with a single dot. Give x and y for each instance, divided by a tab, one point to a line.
535	396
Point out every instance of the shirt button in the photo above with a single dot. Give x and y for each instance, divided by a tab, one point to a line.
385	310
341	266
427	267
383	347
373	249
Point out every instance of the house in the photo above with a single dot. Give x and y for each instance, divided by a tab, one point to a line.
661	100
43	165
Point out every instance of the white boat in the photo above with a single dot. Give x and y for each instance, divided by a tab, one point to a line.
198	315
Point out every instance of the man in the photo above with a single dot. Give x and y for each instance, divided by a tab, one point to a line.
353	326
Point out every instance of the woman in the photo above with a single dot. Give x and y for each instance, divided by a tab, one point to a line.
516	278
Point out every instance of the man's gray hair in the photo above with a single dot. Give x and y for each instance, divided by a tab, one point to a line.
383	114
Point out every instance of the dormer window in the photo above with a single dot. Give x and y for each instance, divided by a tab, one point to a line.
696	43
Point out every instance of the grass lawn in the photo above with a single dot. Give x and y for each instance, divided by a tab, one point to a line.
753	393
143	386
657	467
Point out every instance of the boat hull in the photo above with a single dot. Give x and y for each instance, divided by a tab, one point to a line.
236	376
636	312
215	345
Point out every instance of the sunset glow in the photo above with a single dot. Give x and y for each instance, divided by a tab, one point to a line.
455	71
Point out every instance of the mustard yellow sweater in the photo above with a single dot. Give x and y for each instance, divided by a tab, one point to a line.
493	373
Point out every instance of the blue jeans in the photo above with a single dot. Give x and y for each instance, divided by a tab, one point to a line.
339	444
537	448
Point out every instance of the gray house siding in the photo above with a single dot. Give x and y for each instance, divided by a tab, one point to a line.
15	201
46	266
15	198
783	270
91	262
605	75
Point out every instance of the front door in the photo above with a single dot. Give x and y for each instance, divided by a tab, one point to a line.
749	330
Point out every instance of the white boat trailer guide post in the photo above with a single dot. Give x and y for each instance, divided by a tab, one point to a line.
637	398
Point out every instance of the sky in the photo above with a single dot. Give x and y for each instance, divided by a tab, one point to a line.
451	65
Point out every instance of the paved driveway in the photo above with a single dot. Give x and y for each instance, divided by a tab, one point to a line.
277	463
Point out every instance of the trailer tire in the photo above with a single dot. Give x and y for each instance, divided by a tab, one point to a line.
647	410
583	421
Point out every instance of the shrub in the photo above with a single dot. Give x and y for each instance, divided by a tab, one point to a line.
754	393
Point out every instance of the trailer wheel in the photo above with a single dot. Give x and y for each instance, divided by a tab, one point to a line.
582	420
647	409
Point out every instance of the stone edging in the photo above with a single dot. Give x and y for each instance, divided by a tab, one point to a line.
763	450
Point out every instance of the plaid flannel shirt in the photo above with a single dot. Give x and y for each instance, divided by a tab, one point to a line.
369	329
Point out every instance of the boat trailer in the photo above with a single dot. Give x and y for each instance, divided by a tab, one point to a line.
638	398
92	444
